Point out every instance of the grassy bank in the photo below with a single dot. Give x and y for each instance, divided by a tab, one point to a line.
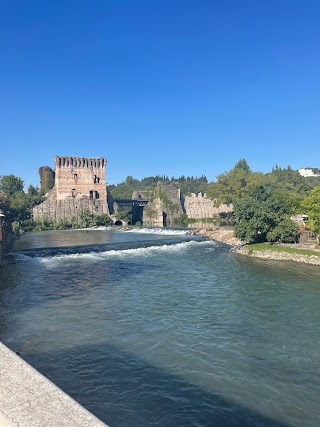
278	248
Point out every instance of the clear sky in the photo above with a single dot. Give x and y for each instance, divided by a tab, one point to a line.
165	87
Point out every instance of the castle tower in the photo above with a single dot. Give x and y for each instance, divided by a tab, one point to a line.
80	183
77	177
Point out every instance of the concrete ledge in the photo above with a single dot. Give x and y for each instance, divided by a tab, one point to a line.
28	399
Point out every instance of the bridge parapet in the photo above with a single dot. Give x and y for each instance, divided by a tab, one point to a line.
131	202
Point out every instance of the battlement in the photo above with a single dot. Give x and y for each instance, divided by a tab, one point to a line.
80	162
80	183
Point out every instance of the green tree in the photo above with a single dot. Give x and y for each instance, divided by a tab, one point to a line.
264	216
242	164
20	207
4	204
47	178
311	204
235	184
10	184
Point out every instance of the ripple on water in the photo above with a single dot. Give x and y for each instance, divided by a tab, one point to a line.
186	334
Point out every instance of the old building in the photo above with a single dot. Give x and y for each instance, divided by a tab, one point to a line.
80	183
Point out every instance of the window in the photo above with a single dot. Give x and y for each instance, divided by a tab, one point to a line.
73	192
91	194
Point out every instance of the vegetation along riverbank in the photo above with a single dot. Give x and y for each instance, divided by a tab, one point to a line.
298	252
274	207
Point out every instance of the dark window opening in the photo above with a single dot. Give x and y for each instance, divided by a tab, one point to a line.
91	194
73	192
97	195
75	176
96	179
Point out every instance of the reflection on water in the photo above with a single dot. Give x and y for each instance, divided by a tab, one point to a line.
174	335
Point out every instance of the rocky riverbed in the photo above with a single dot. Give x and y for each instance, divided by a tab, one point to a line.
226	235
220	234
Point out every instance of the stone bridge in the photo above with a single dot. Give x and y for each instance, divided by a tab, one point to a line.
131	202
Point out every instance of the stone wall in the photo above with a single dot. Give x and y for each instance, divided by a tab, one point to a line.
166	206
199	206
153	214
80	183
28	399
69	208
83	176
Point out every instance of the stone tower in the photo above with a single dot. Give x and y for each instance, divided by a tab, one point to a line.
80	183
78	177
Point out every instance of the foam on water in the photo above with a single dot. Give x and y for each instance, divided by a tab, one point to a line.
141	252
161	231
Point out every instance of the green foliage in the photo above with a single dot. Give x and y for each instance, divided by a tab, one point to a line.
167	203
148	185
285	232
183	219
10	184
47	178
33	191
124	214
4	204
278	248
243	164
240	182
311	204
14	202
86	219
16	227
235	184
264	215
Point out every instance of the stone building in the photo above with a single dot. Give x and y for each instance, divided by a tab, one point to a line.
80	183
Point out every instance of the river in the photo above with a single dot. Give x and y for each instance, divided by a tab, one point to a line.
158	328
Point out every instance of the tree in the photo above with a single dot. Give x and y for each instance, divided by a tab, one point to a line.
4	204
20	207
10	184
242	164
235	184
311	204
47	177
264	216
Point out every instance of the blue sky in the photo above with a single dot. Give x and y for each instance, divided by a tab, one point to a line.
163	87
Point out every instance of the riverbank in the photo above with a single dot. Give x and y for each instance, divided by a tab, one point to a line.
280	254
27	398
219	234
296	253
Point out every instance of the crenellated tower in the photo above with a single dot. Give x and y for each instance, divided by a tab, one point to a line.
80	183
80	177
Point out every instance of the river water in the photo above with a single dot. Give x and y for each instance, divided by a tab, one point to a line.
156	328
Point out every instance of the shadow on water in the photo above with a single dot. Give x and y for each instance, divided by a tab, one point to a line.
133	392
63	280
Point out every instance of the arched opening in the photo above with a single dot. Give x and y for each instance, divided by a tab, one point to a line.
118	222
